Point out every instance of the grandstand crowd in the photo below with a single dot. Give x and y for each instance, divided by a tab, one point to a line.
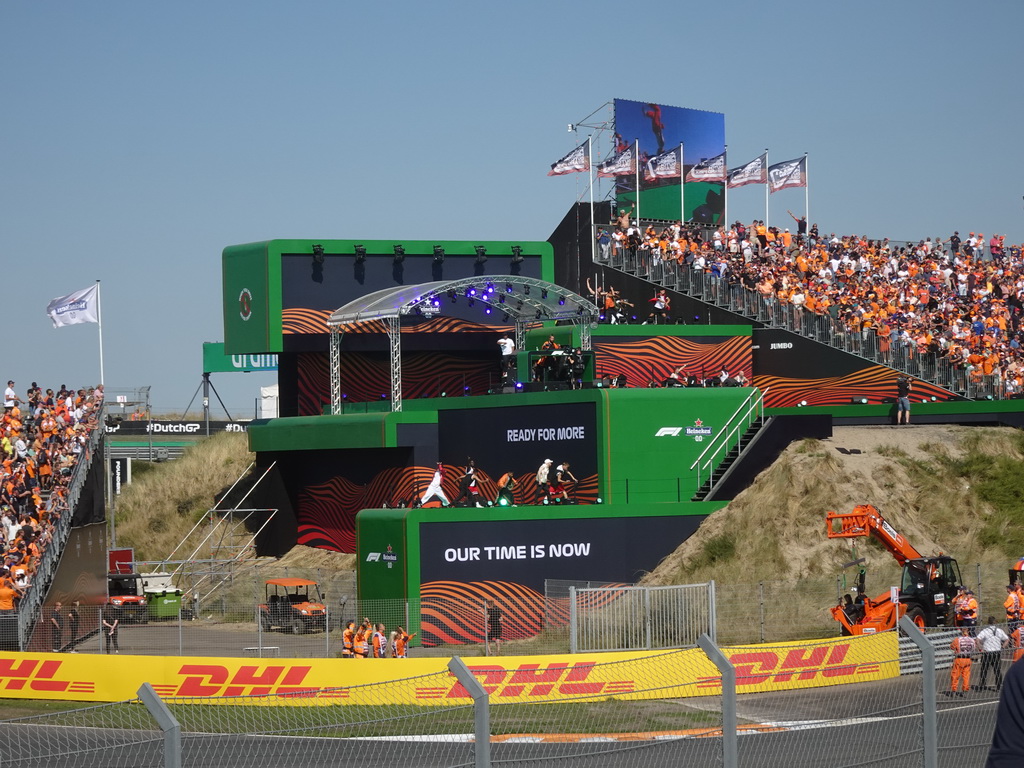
956	298
41	439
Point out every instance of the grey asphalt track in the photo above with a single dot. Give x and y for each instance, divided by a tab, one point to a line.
890	736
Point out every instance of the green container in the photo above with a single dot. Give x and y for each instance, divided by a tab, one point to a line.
164	605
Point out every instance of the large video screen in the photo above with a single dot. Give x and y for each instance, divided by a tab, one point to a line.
660	128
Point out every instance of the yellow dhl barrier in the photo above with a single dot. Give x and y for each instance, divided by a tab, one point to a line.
628	675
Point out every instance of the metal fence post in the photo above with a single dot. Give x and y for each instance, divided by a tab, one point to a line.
929	698
181	639
481	712
573	620
327	631
713	611
168	724
981	603
760	592
647	618
730	745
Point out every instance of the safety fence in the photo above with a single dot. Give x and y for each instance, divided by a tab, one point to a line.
816	704
608	616
729	293
647	618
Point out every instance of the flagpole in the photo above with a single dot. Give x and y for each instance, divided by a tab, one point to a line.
725	187
807	199
682	184
636	168
766	225
590	174
99	326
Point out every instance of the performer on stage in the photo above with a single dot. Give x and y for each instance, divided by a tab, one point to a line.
435	489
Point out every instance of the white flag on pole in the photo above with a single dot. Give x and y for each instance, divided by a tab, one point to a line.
78	307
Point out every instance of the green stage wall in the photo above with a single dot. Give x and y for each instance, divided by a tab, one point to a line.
443	558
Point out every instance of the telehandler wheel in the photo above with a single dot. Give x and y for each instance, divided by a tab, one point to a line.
916	615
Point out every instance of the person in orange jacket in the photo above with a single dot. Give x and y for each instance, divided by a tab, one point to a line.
964	648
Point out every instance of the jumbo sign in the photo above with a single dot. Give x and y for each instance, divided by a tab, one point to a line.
631	675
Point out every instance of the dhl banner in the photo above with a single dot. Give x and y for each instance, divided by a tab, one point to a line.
628	675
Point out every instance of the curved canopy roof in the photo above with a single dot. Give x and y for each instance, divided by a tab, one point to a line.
524	299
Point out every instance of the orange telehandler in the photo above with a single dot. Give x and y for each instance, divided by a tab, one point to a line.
927	587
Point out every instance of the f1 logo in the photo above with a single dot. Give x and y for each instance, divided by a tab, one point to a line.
669	432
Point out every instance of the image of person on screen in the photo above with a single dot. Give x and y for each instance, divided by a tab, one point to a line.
653	113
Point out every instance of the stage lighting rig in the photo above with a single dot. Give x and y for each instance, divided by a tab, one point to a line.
318	254
399	254
360	253
481	254
438	254
517	254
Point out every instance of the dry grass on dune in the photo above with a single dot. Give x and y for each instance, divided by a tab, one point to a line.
944	488
947	489
165	500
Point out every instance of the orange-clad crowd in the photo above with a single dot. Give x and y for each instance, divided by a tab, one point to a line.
41	438
958	299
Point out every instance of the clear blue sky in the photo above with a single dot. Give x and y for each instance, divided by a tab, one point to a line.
139	139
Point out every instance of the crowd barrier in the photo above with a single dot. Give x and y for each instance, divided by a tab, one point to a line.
685	707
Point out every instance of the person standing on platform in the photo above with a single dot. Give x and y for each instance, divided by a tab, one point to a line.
1012	606
435	489
506	490
967	611
379	642
963	647
74	621
402	639
495	622
348	640
468	488
110	626
542	481
992	640
562	476
56	627
903	387
508	351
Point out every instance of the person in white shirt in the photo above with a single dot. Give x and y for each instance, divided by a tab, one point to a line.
11	398
508	349
992	640
435	489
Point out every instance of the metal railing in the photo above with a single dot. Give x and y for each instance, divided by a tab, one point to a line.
729	294
30	604
640	618
730	436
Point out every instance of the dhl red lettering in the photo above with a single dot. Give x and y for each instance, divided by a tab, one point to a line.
843	671
216	675
261	684
532	673
43	680
25	668
746	664
838	653
492	678
799	659
574	685
295	675
299	693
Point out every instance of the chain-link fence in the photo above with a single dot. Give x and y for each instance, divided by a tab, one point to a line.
238	620
821	704
113	735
